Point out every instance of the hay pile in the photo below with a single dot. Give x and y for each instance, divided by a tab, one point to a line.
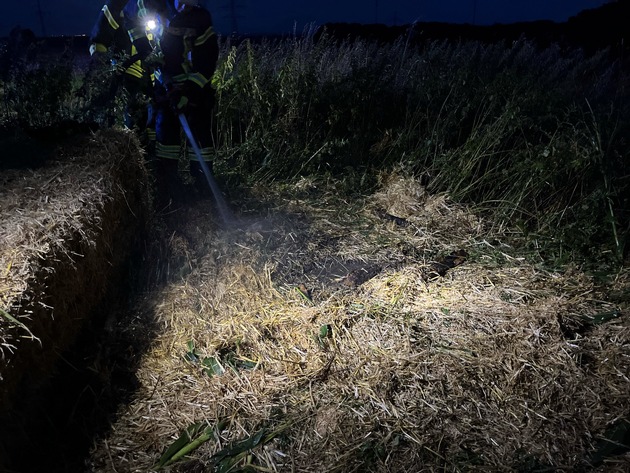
68	228
335	334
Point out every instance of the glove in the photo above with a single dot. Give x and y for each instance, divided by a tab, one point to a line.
185	96
98	55
97	48
178	99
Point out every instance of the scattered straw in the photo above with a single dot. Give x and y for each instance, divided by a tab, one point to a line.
67	229
483	369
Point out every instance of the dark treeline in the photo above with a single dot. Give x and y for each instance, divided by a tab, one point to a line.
590	30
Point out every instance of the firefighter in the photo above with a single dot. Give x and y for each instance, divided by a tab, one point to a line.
190	52
128	27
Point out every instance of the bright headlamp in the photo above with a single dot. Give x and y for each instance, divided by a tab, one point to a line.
151	25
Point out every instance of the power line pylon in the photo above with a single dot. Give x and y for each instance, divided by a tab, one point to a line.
233	7
41	18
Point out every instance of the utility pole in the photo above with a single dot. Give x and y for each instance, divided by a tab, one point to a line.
233	7
41	18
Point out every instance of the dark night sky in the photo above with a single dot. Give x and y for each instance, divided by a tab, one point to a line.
71	17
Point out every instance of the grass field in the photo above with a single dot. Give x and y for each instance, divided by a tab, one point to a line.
427	270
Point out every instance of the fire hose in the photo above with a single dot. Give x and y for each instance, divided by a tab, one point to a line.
226	214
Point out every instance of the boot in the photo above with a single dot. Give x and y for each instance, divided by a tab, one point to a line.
200	182
168	185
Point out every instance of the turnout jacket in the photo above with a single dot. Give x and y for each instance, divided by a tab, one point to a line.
190	51
121	25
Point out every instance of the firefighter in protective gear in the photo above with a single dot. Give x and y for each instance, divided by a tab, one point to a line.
122	27
190	52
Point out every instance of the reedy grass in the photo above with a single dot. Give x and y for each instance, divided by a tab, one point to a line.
534	137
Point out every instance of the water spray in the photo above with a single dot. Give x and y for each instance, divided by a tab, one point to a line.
226	214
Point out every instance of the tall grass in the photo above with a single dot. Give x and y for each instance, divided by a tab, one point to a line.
43	86
537	138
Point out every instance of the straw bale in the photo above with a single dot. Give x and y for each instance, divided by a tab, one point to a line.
68	228
474	370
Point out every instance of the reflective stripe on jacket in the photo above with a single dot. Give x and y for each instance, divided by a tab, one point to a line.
190	48
121	25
